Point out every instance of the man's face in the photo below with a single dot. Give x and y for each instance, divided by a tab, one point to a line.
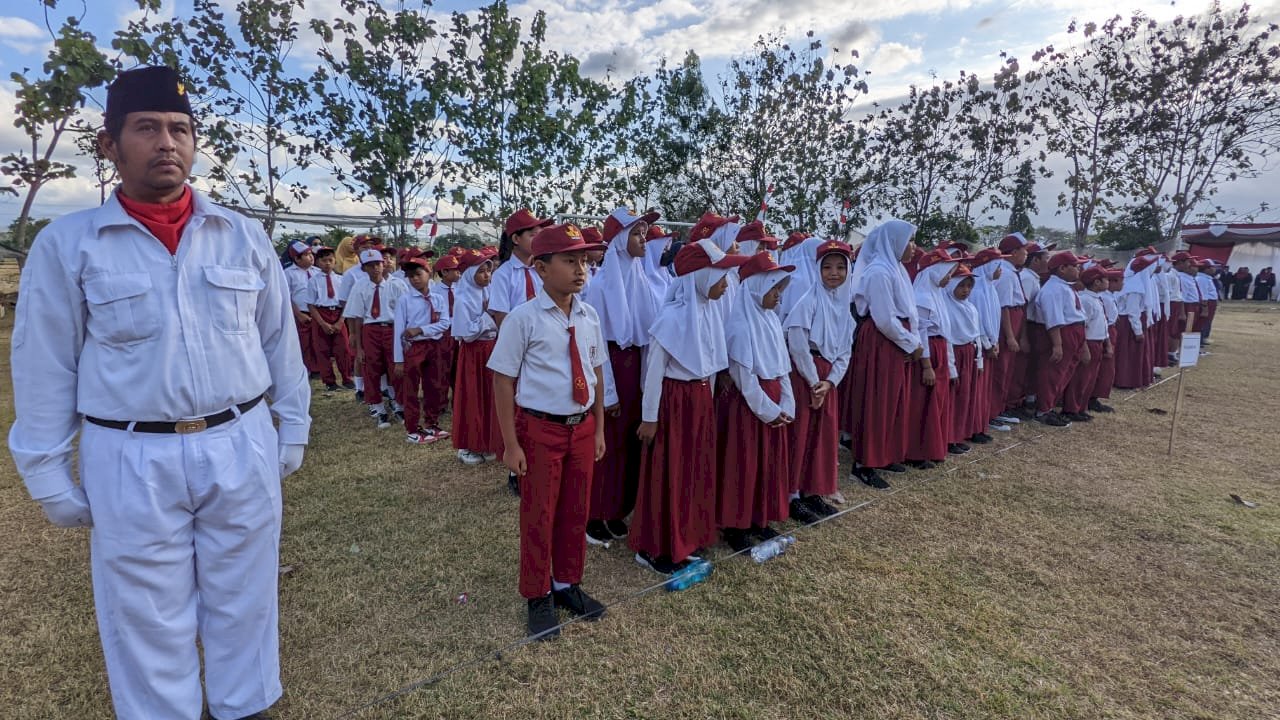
153	154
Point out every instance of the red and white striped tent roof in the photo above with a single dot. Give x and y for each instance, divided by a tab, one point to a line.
1230	233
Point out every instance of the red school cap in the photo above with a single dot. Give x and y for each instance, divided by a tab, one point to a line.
760	263
795	239
1012	242
656	232
985	256
622	218
592	235
561	239
448	262
934	257
833	246
1094	273
698	255
1066	257
1182	255
472	257
708	224
521	220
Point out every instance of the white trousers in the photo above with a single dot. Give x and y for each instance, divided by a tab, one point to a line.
185	542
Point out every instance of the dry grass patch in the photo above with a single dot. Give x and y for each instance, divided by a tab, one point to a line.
1081	574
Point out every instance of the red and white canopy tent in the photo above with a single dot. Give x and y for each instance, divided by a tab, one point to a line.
1252	245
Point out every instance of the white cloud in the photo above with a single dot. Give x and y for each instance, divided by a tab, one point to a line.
16	28
891	57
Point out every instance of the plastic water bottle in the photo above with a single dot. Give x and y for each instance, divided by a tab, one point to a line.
771	549
688	576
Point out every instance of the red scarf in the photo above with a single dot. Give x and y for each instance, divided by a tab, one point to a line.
164	220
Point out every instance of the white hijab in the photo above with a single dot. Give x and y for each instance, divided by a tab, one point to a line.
686	326
824	313
622	296
659	277
932	297
725	235
965	325
754	337
807	275
985	298
468	303
882	253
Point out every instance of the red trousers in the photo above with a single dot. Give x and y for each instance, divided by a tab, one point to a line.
1076	397
879	394
424	371
1037	342
378	358
1052	377
613	490
304	342
1004	366
752	462
1021	372
814	437
676	503
331	349
1107	370
929	408
553	501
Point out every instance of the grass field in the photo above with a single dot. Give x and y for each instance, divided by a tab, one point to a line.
1077	573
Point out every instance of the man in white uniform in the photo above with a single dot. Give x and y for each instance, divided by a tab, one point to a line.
159	327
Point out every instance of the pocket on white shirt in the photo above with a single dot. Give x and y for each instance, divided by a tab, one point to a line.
123	308
233	297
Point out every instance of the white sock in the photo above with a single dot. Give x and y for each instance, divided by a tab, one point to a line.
794	496
557	585
360	384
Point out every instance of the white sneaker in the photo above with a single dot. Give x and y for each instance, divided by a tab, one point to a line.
470	458
1007	420
1158	372
384	422
420	438
489	457
998	427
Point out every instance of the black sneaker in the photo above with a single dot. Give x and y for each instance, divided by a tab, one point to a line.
922	464
1096	406
330	387
661	564
895	468
981	438
1078	417
543	624
802	513
383	421
616	528
349	386
737	540
399	415
1022	413
598	534
360	396
579	603
958	448
1053	419
313	376
819	506
764	534
870	477
847	443
513	483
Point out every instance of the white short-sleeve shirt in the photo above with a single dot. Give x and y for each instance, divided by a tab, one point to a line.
533	346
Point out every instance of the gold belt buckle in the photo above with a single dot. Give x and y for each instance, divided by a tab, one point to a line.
187	427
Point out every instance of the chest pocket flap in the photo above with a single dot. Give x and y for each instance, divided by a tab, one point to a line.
233	297
122	307
102	289
233	278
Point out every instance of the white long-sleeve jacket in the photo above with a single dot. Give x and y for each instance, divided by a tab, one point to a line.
110	325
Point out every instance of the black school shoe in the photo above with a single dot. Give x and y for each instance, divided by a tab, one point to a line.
981	438
819	506
1053	419
922	464
349	386
543	623
895	468
870	478
958	448
763	534
737	539
598	533
1096	406
1078	417
617	528
661	564
330	387
513	483
578	603
359	396
802	513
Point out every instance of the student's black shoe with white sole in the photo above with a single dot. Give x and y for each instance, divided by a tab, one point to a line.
598	534
661	564
617	528
819	506
1096	406
802	513
894	468
578	603
981	438
957	448
543	623
737	539
870	478
1053	419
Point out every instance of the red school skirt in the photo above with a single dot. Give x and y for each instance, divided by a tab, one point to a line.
814	437
752	488
475	418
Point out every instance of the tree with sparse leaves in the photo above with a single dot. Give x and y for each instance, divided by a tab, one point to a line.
1023	201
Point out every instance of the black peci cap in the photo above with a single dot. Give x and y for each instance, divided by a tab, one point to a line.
148	89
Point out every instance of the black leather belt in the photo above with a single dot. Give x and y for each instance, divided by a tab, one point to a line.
557	419
181	427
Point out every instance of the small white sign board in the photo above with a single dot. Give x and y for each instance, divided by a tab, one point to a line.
1189	353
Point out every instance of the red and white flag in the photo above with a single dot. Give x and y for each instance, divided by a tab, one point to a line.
430	219
764	204
844	211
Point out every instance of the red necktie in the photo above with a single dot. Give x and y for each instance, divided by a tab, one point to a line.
529	292
328	283
450	301
1077	297
376	310
580	394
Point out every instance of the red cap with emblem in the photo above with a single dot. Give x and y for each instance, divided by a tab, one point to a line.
833	246
448	262
521	220
561	239
698	255
759	263
708	224
795	239
1066	257
934	257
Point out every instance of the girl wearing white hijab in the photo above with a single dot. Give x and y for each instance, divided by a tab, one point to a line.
676	502
969	343
754	410
819	331
985	297
929	381
654	248
476	435
885	340
1133	364
627	306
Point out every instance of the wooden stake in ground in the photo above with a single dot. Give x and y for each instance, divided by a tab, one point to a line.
1188	356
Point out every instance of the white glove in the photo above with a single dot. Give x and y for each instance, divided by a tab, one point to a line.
68	509
290	459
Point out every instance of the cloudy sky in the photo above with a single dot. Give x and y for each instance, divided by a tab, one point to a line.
900	42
